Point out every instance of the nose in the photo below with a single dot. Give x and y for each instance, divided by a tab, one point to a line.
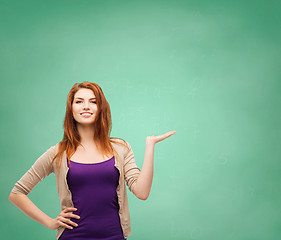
86	105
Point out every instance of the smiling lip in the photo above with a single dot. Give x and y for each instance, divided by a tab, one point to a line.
87	115
86	112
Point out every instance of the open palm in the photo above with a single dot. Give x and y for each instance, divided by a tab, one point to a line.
155	139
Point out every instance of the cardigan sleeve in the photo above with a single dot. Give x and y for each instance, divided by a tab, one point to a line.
131	171
38	171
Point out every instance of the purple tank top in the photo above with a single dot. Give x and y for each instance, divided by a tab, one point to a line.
93	187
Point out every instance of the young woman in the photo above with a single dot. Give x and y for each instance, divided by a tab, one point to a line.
91	170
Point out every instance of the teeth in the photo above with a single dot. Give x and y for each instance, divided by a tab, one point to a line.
86	114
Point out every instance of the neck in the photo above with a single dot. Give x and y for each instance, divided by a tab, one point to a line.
86	133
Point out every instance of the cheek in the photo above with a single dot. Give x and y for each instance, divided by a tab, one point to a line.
75	110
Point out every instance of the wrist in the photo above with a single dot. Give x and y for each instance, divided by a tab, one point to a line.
49	223
149	142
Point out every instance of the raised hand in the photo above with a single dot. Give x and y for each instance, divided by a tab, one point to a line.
155	139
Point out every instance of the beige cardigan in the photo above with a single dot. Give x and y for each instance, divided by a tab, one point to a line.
125	163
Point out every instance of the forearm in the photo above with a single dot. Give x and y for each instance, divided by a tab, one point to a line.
144	182
30	209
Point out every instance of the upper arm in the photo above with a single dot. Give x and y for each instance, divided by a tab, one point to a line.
38	171
134	189
131	170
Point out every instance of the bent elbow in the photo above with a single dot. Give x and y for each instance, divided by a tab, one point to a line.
13	196
143	197
139	194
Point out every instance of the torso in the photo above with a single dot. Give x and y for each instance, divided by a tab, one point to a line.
94	193
88	155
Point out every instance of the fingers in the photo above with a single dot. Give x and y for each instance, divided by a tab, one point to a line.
69	209
63	222
75	216
171	133
64	225
62	218
164	136
168	134
72	215
72	223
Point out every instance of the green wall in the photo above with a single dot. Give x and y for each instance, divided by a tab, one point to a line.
208	69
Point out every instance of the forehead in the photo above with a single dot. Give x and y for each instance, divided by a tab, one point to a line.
84	93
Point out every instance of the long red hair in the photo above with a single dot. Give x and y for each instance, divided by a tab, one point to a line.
102	126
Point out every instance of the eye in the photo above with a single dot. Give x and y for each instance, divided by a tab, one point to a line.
81	101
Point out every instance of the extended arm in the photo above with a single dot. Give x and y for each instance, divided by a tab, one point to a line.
144	182
143	185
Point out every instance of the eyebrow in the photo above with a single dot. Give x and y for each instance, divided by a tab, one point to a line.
83	98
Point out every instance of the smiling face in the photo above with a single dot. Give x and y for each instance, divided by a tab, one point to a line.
84	101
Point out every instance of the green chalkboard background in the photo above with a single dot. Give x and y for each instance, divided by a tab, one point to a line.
208	69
